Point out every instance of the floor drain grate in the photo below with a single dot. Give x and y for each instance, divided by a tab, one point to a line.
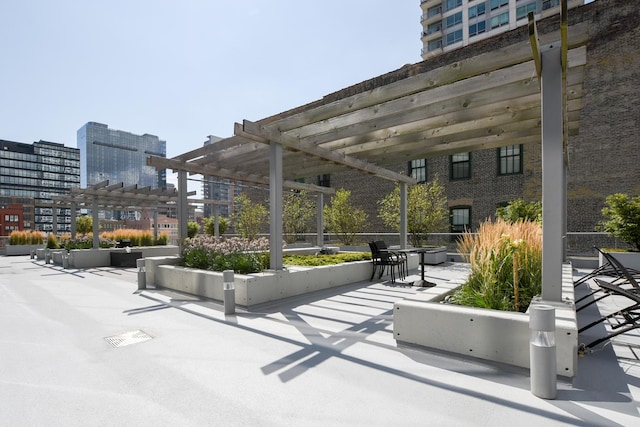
127	338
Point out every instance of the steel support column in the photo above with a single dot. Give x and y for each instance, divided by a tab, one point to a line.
183	207
275	205
403	215
96	223
320	223
553	173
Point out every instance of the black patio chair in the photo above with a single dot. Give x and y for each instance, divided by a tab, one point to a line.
622	276
402	256
609	268
621	321
383	260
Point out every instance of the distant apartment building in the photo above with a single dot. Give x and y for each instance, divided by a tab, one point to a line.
450	24
30	174
119	156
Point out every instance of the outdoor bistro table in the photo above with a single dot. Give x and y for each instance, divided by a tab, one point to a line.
421	251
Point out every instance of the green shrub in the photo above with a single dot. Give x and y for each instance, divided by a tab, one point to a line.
162	240
52	242
243	256
622	219
329	259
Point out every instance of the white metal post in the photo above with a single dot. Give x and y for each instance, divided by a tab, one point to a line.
403	215
275	203
320	224
553	174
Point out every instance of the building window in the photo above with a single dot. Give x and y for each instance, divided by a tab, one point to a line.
452	4
434	10
522	11
479	28
460	166
460	219
418	169
510	160
500	20
454	37
454	19
324	180
548	4
434	45
434	28
495	4
477	10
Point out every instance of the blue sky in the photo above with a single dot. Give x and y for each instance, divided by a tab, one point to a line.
184	70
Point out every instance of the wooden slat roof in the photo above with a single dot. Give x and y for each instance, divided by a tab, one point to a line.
434	108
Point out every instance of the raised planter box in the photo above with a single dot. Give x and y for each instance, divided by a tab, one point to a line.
91	258
125	259
486	334
14	250
262	287
435	256
628	259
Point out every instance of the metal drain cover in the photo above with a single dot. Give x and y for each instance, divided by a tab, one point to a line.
127	338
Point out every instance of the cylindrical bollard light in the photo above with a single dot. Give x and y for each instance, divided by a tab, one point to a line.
542	351
142	273
65	260
47	256
33	253
229	292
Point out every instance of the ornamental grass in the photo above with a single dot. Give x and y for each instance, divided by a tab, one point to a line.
26	237
506	266
243	256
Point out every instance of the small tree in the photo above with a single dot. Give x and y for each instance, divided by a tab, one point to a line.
250	217
297	211
210	225
519	210
192	229
622	218
342	218
426	210
84	224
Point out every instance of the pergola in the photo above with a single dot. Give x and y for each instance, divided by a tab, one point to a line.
104	196
461	101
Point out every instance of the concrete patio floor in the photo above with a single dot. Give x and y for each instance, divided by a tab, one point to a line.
323	359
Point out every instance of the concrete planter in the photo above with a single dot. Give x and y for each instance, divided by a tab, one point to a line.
14	250
262	287
486	334
91	258
628	259
435	256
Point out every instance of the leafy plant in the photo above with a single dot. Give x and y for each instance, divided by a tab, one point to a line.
506	265
517	210
250	217
426	210
622	218
240	255
210	223
84	224
52	241
192	229
297	210
342	218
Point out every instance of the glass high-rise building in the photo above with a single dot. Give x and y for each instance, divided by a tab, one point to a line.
450	24
119	156
35	173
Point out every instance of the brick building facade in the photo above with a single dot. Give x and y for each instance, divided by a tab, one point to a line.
603	154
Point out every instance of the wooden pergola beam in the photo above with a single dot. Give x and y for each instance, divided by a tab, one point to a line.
294	144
